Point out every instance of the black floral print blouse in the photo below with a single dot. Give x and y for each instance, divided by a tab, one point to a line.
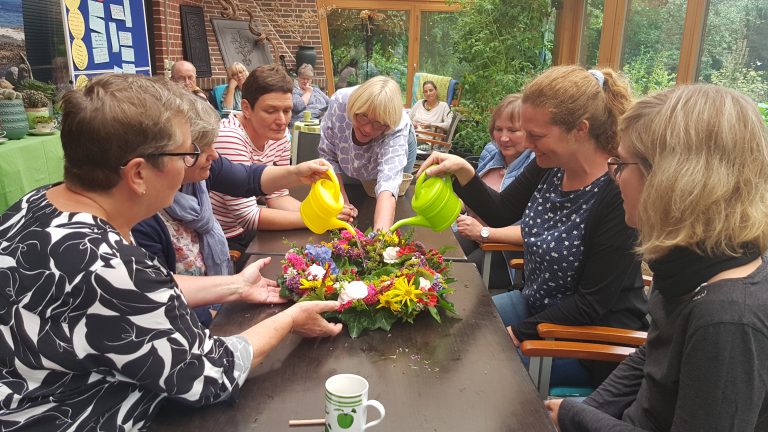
95	333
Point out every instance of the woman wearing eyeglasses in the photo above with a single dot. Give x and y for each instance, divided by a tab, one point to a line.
187	239
693	171
366	135
580	268
96	331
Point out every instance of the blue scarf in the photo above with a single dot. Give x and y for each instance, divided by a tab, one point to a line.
192	207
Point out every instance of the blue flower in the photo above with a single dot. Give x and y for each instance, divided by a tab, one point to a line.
321	255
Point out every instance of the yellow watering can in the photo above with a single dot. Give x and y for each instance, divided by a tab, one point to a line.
320	208
434	202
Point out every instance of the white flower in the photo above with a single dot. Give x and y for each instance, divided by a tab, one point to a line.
316	272
390	254
424	284
352	291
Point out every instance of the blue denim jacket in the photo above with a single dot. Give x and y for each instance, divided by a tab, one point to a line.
491	158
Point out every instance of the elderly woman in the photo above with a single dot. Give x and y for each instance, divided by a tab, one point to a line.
430	112
306	97
502	160
579	263
100	331
693	171
187	239
233	94
367	135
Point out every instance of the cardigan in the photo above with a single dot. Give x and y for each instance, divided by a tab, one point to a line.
439	116
226	177
609	288
699	370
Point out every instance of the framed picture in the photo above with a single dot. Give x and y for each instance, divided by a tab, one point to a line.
195	39
238	44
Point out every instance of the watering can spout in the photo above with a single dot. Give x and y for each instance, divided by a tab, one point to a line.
415	220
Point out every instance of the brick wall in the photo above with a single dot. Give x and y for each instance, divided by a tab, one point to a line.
168	43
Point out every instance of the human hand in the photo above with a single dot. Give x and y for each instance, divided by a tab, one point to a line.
439	163
348	213
512	335
232	83
259	289
469	227
553	408
307	321
311	171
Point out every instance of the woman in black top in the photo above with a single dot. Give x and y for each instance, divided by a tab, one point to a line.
580	268
693	171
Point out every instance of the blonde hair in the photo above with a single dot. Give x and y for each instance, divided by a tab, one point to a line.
233	69
380	99
707	186
508	108
572	94
116	118
203	122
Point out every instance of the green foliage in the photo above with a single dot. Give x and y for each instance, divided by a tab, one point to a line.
48	89
502	45
647	72
43	119
763	107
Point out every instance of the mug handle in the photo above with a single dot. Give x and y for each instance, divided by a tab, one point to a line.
376	404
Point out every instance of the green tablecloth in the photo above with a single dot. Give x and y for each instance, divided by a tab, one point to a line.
28	163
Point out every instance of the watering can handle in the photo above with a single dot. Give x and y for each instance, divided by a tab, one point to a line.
421	179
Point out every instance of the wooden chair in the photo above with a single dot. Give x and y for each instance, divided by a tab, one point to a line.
427	142
594	343
448	88
515	263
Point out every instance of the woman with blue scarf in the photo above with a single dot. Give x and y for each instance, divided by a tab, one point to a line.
501	161
187	239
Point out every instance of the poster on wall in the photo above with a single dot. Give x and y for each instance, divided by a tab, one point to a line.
12	44
106	36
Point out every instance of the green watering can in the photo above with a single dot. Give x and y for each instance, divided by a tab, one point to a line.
320	208
434	202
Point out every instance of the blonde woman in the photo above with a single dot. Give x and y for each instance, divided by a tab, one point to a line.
236	75
579	263
366	135
693	171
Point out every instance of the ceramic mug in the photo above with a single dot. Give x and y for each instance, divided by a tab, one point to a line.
346	404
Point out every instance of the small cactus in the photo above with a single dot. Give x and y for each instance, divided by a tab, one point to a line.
34	99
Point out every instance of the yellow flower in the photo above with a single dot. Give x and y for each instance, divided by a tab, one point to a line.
404	292
310	284
385	300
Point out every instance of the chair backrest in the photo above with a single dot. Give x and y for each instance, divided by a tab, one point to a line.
448	88
452	127
218	94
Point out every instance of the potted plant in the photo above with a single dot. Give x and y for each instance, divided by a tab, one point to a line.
35	104
13	120
44	124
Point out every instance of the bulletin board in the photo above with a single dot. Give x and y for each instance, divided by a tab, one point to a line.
106	36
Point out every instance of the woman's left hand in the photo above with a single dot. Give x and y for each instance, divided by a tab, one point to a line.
469	227
553	407
257	288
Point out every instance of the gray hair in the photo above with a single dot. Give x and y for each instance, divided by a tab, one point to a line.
306	70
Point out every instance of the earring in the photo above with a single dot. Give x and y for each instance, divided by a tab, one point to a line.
144	192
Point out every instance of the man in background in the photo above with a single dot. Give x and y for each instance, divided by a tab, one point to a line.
184	73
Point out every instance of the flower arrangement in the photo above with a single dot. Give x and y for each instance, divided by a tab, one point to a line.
386	278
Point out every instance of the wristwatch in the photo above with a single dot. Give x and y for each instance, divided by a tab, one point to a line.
485	232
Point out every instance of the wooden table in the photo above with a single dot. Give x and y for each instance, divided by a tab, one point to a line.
462	375
28	163
278	242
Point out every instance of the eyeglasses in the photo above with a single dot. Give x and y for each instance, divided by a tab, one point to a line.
616	166
363	120
190	158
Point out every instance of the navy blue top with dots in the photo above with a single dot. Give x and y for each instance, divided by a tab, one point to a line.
553	227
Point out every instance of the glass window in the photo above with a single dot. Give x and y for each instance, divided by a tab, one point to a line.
366	43
435	42
593	28
735	47
652	44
